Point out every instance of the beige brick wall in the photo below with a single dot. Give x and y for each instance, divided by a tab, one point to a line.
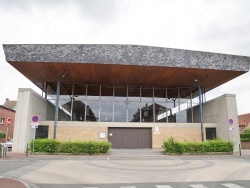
178	133
72	133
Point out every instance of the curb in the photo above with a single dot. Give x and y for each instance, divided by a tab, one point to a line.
29	184
17	183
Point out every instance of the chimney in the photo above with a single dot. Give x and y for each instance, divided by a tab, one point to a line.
7	99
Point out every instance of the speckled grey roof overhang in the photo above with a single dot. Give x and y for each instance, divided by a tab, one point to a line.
124	55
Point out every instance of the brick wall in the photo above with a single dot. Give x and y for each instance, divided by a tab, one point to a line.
245	145
71	133
178	133
4	113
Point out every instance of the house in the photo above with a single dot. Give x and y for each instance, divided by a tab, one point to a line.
244	121
7	111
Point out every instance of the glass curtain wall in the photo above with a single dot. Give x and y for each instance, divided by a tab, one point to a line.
107	103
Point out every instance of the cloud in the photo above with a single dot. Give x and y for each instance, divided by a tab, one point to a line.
95	11
205	25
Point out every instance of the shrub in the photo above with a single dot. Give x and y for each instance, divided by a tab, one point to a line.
246	130
2	134
245	137
172	146
45	145
74	147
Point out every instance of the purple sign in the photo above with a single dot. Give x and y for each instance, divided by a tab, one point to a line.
35	118
231	121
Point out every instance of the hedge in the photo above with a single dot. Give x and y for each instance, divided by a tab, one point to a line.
245	137
246	130
2	134
172	146
74	147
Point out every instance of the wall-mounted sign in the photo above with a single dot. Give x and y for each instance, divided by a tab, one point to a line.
35	118
34	125
102	135
231	121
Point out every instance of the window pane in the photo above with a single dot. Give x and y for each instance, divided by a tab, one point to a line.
134	93
147	112
80	90
106	111
172	93
120	112
77	102
172	110
92	111
78	111
134	111
93	92
160	112
107	93
120	92
147	94
160	94
64	111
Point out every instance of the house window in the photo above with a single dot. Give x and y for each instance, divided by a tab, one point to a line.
2	121
42	132
210	133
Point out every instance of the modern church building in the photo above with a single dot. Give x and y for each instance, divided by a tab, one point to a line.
134	96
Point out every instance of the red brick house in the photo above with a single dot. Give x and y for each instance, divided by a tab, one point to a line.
7	110
244	121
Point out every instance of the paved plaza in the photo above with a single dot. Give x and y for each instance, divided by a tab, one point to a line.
128	171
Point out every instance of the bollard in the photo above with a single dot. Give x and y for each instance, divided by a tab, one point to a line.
240	149
5	150
27	148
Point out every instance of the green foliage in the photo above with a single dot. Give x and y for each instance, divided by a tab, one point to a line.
45	145
74	147
2	134
172	146
245	137
246	130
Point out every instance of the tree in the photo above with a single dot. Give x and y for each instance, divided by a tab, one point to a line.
247	130
2	134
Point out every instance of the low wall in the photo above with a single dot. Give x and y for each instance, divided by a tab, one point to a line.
70	131
245	145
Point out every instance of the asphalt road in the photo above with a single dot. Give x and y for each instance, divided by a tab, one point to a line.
129	171
230	184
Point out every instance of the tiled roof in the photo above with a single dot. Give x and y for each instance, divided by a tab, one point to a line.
10	104
244	119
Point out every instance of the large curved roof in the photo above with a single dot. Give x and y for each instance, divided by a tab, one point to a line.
123	64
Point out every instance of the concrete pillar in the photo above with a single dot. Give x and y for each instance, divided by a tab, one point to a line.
29	103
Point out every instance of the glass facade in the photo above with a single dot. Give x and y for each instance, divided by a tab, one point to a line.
107	103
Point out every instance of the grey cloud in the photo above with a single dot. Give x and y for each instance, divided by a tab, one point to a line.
96	11
226	30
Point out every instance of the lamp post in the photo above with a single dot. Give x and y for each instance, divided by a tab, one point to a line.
198	82
57	103
201	112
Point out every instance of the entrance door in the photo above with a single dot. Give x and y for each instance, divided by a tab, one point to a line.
130	138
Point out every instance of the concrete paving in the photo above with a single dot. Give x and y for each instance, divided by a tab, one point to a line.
122	167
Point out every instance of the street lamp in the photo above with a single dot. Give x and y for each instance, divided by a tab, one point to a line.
57	102
201	110
198	82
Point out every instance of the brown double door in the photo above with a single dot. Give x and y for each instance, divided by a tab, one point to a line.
130	138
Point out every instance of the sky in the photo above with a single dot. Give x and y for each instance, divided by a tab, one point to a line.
203	25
